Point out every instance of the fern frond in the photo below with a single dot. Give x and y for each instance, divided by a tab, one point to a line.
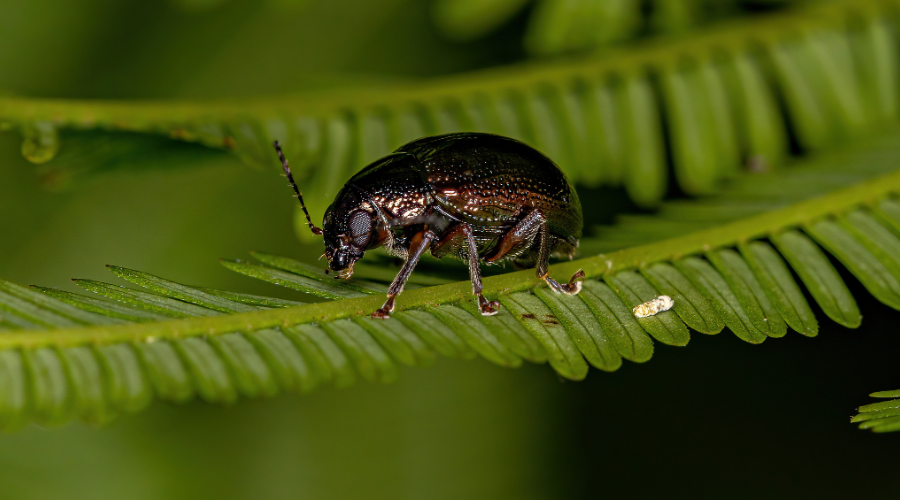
66	355
880	417
558	26
707	103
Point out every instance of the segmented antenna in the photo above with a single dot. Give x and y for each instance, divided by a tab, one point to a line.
290	177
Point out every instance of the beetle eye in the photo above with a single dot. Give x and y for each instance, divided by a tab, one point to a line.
360	228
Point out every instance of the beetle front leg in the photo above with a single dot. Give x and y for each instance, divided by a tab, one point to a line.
488	307
419	243
574	284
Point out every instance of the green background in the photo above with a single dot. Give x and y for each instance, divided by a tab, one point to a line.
719	419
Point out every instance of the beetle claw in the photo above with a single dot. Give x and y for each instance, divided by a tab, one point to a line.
488	307
386	309
344	274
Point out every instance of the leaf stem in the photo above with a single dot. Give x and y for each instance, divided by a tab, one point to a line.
730	234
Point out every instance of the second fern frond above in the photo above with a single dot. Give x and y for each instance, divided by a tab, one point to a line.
756	91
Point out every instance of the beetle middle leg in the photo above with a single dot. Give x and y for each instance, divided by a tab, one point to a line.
420	242
450	238
533	227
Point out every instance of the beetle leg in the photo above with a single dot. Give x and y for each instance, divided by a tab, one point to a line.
488	307
523	232
570	288
419	243
450	242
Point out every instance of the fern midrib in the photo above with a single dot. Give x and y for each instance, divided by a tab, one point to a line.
633	60
728	234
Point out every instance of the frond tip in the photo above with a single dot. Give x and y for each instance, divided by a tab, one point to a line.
880	417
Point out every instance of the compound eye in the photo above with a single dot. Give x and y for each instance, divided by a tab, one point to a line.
360	228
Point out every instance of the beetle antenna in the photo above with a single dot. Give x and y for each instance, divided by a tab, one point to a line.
287	171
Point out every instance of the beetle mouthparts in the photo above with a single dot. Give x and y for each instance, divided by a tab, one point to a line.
344	274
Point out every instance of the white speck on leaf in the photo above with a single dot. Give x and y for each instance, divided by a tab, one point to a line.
653	307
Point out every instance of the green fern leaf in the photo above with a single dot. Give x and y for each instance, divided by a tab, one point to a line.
880	417
557	26
713	95
67	356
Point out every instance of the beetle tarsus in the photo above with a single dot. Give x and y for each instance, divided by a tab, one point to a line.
570	288
343	274
386	309
488	307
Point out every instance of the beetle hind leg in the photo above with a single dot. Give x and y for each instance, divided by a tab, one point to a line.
575	282
519	238
570	288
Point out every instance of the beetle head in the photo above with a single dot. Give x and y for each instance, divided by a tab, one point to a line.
349	228
349	225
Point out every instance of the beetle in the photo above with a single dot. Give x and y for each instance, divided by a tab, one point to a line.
474	196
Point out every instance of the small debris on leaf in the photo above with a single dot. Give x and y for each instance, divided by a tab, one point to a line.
653	307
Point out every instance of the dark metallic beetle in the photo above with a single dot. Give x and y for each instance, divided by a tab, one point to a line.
477	197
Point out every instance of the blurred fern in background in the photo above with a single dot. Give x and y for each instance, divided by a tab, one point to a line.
739	156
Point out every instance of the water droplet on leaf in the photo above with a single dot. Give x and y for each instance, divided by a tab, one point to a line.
41	141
